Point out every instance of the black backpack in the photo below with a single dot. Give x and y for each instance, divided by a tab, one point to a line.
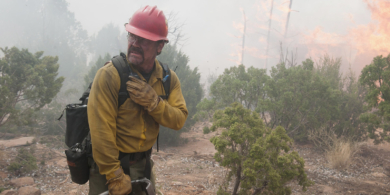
77	127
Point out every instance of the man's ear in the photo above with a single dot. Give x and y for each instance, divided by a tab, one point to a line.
160	46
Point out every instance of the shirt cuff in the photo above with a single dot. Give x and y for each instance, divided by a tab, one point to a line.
114	174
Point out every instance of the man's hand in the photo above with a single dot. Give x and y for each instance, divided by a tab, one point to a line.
120	185
142	94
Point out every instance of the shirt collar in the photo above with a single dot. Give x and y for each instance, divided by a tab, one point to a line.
156	74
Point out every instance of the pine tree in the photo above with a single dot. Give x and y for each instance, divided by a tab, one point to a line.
28	82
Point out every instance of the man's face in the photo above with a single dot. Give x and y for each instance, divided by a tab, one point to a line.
142	51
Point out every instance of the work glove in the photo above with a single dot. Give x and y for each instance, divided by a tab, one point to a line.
142	93
120	185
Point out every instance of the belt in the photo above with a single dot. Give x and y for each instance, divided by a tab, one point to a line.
128	159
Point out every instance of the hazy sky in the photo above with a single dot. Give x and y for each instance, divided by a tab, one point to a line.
212	28
356	30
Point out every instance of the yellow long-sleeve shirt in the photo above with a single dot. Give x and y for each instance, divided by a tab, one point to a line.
130	128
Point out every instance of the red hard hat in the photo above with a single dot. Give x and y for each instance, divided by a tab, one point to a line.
149	23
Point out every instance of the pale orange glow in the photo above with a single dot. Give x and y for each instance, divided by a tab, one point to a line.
374	37
255	52
361	43
357	46
320	43
237	53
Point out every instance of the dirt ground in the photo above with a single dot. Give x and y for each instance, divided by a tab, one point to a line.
191	169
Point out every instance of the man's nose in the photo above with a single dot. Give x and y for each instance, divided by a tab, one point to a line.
136	43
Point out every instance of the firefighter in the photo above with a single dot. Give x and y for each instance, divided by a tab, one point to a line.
132	129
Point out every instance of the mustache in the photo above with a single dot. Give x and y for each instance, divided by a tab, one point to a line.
136	49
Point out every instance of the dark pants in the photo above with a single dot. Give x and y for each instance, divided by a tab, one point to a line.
97	182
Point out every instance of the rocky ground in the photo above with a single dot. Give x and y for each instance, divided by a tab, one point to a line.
191	169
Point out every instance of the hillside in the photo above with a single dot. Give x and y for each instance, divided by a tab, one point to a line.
191	169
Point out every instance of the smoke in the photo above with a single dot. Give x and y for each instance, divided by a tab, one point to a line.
237	46
353	40
360	44
374	37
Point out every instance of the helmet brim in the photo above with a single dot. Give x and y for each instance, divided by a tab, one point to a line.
144	34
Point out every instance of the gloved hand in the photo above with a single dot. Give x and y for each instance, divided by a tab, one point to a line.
120	185
142	93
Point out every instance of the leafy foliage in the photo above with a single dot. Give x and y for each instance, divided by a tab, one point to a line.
190	86
27	83
47	25
300	98
258	158
235	85
206	130
346	122
376	77
205	109
88	78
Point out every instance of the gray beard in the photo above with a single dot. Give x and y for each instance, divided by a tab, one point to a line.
134	62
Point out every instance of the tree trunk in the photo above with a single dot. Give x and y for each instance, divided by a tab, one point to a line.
243	40
269	31
238	180
288	19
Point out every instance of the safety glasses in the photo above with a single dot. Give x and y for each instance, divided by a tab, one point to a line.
132	38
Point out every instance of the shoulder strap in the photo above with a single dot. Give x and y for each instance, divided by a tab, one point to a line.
86	94
123	69
167	87
166	80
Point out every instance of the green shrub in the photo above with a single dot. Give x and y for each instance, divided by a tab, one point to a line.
206	130
375	78
25	162
298	98
34	76
259	158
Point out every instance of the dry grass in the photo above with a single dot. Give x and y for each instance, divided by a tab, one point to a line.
341	153
322	138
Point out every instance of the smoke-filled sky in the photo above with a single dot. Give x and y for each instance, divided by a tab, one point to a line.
351	29
355	30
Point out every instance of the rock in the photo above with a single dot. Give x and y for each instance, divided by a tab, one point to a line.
378	174
23	181
177	183
17	142
200	186
9	192
73	192
28	190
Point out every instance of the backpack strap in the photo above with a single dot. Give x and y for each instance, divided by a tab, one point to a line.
166	80
167	87
123	68
86	94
